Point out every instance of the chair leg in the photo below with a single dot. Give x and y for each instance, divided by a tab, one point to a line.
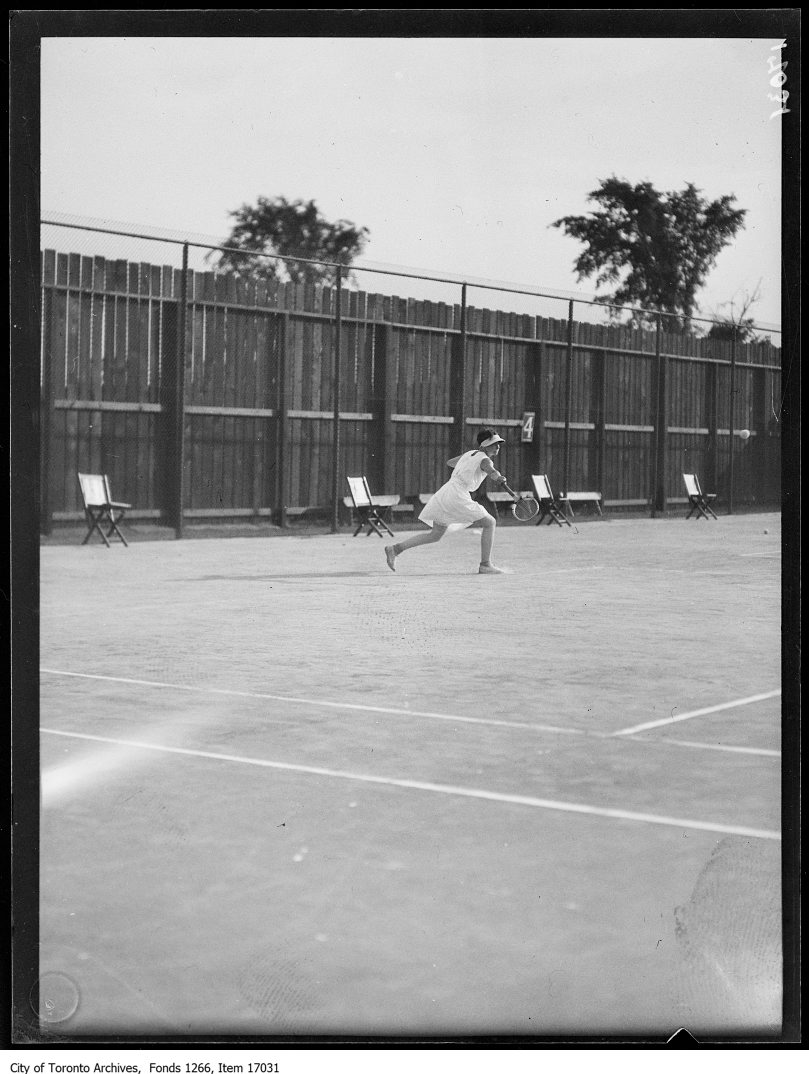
93	529
114	529
377	525
109	514
93	524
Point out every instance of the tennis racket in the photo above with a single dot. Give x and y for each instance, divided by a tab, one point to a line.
524	508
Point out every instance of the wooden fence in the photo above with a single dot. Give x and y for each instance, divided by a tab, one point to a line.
205	396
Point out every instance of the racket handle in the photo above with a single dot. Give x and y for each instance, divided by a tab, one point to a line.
511	492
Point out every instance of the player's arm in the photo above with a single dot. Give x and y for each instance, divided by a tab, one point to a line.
488	467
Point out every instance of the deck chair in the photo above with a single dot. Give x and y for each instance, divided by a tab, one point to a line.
699	501
100	508
549	506
367	510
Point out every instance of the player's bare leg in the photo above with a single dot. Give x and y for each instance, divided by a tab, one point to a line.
488	526
428	537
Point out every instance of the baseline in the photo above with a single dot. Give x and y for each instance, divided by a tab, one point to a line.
437	788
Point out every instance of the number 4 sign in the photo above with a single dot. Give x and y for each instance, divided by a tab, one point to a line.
527	434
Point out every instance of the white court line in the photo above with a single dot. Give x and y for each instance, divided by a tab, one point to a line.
750	555
401	712
755	750
322	704
696	712
438	788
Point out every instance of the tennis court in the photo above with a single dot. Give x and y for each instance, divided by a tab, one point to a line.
287	792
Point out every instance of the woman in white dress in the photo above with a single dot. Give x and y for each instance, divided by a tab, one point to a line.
452	506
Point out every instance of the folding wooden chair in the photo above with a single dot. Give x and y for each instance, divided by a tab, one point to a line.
367	510
550	506
699	501
99	507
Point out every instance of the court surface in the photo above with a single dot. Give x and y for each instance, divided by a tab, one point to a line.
287	792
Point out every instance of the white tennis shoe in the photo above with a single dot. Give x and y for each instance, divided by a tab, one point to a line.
490	569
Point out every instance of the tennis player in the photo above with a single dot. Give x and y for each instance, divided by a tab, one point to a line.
452	506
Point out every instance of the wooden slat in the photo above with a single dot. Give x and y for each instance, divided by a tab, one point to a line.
328	415
509	423
427	419
101	405
232	411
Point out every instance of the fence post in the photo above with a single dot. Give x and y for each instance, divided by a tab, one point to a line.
335	509
713	425
382	449
661	427
731	418
568	392
46	416
282	425
600	419
759	430
178	431
535	401
458	383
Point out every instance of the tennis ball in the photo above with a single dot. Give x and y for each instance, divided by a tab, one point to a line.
744	434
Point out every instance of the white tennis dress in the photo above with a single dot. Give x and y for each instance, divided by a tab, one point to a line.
452	505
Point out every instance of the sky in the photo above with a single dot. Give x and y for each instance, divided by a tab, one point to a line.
456	153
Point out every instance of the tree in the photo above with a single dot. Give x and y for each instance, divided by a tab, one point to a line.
295	229
737	323
659	247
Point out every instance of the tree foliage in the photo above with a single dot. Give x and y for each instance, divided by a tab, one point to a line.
736	323
743	330
657	247
294	229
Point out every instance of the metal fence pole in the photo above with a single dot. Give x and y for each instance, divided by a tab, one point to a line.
731	419
568	393
335	489
179	401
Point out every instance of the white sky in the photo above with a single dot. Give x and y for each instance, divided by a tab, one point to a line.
457	154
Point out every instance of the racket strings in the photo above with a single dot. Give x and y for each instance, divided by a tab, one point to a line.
525	508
